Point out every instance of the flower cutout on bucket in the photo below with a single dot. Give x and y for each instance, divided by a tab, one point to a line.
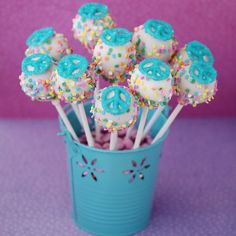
137	170
89	168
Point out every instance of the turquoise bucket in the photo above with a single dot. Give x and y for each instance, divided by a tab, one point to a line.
112	191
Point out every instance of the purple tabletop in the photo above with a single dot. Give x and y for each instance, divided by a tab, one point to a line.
195	191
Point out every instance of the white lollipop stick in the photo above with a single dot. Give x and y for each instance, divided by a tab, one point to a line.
168	123
97	127
140	128
76	110
153	120
64	118
85	125
128	133
113	140
98	131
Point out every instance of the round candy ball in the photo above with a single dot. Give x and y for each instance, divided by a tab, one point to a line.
194	51
114	54
47	41
115	108
35	77
151	83
72	79
196	83
89	23
155	39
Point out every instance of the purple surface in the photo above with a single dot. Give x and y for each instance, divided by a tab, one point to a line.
210	21
196	188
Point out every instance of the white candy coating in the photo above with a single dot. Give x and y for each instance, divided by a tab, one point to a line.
190	91
149	92
89	31
148	46
114	62
56	47
113	122
38	86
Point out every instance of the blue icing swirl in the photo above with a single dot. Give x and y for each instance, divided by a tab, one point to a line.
40	36
159	29
115	100
116	36
36	64
202	73
154	69
72	66
93	10
199	52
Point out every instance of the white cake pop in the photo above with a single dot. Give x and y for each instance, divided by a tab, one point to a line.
196	83
154	39
151	82
72	80
115	108
114	54
47	41
35	77
89	23
193	51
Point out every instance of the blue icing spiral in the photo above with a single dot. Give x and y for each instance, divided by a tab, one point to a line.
202	73
36	64
154	69
159	29
199	52
115	100
72	66
93	10
40	36
116	36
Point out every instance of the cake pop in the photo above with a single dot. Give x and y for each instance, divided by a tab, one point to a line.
193	51
154	39
35	82
195	84
115	108
151	83
89	23
74	83
47	41
35	77
114	54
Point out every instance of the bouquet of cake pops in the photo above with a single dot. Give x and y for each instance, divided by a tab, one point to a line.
147	60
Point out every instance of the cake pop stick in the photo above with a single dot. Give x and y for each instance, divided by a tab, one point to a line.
193	51
141	127
77	112
114	55
154	39
89	23
115	109
35	82
128	133
73	83
151	82
64	118
153	120
195	84
97	127
47	41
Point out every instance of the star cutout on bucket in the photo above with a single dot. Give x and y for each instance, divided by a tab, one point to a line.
137	170
89	168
